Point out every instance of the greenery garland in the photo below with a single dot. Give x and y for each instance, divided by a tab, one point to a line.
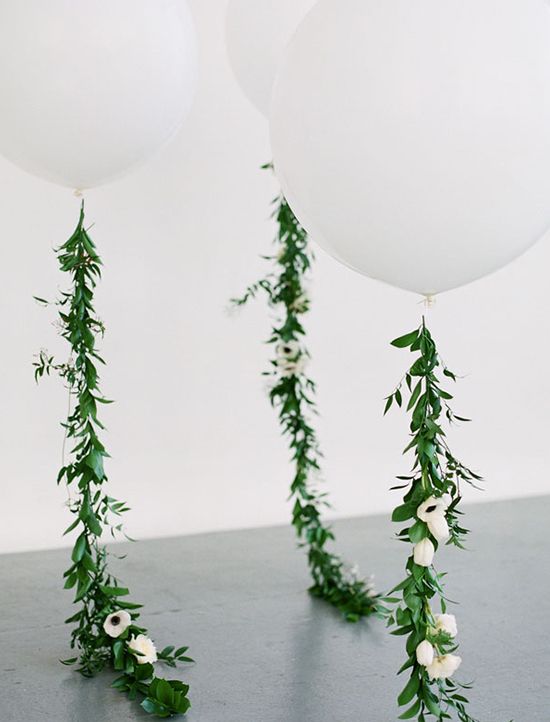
431	508
292	394
107	631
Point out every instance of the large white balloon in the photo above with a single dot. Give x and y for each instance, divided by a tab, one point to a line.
90	89
412	137
257	32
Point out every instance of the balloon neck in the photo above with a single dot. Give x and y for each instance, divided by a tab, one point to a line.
429	301
78	193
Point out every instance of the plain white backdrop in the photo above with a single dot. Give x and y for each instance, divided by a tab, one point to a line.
194	443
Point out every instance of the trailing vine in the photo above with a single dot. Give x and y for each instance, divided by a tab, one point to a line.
292	394
106	628
431	509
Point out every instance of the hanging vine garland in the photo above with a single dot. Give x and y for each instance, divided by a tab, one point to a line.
292	394
107	632
431	507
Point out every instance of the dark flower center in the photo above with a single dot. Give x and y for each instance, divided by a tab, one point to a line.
115	621
431	508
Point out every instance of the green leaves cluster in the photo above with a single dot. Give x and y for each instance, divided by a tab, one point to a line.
293	395
435	473
96	591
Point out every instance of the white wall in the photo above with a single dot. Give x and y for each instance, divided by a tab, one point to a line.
195	445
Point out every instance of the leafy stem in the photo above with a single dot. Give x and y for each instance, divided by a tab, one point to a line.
106	628
430	507
292	394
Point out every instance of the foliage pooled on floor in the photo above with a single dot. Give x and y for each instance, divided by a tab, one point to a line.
106	629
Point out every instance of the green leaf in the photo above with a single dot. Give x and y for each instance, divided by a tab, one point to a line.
410	690
414	396
403	512
406	340
68	662
418	531
95	461
79	548
114	591
118	654
412	711
94	525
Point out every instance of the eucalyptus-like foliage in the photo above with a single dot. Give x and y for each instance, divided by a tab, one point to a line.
99	596
430	509
292	394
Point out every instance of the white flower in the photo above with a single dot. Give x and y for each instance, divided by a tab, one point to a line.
145	647
443	667
439	528
116	623
424	553
281	252
432	511
351	574
446	623
425	653
301	304
432	507
290	361
371	587
288	350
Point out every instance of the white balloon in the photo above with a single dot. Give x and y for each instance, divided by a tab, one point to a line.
90	89
412	137
257	32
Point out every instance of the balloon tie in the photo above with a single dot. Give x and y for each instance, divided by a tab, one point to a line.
429	301
78	193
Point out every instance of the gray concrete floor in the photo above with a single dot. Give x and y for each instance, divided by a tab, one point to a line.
266	651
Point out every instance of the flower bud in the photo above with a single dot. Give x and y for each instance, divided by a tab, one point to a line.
443	667
446	623
425	653
439	527
423	553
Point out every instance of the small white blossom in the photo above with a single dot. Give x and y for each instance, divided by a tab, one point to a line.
147	652
288	350
425	653
432	507
351	574
292	368
446	623
424	553
443	667
371	587
116	623
301	303
432	511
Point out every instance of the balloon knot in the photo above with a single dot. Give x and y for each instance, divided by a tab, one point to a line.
78	193
429	301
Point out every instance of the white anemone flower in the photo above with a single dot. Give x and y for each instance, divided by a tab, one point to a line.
116	623
424	553
446	623
443	667
288	350
291	366
432	511
432	507
425	653
147	653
